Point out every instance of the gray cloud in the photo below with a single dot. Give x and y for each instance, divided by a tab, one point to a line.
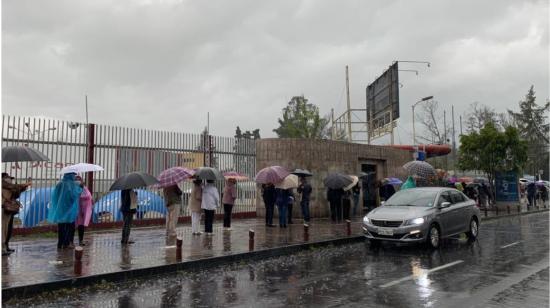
164	64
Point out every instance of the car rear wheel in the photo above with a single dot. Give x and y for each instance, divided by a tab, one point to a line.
434	237
474	229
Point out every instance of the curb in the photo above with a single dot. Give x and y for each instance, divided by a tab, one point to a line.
483	218
27	290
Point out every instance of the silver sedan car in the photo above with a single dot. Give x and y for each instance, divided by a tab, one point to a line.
425	214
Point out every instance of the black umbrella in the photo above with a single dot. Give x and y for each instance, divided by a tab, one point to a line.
208	173
302	172
22	153
134	180
338	180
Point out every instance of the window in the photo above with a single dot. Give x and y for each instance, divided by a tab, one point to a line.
444	197
457	197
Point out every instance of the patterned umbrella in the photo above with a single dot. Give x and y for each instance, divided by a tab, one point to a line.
337	180
235	175
291	181
173	176
271	175
419	168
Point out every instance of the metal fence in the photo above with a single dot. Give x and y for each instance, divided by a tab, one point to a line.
119	150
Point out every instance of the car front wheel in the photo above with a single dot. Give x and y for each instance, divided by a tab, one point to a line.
434	237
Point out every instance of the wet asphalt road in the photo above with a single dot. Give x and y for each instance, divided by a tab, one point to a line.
507	267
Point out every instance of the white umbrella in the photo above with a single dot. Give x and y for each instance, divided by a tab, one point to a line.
290	181
355	181
80	168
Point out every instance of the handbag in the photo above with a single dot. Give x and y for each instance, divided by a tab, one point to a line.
12	206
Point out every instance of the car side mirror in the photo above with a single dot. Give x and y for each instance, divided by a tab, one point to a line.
444	205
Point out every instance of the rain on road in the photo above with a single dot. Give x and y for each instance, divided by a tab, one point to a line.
508	266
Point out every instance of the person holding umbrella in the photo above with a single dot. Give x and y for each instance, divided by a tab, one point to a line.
172	197
64	208
128	207
531	192
386	189
195	206
356	193
228	200
10	207
85	205
282	204
269	194
305	191
210	201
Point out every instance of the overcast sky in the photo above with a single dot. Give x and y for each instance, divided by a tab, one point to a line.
164	64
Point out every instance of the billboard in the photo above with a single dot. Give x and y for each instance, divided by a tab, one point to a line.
383	98
507	189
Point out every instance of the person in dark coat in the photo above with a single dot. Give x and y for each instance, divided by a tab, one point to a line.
305	190
269	195
531	192
346	204
386	190
334	197
356	192
128	207
290	203
282	204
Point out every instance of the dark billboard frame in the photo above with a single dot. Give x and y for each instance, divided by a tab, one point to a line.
383	97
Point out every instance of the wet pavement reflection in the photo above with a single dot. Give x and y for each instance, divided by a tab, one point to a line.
488	272
36	261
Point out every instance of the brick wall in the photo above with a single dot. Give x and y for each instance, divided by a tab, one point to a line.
322	157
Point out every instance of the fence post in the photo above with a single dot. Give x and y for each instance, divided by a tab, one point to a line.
210	151
90	140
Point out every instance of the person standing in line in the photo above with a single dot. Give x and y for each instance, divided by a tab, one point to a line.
128	207
64	209
334	197
172	197
269	194
531	192
228	200
84	215
10	193
346	204
195	206
356	193
332	205
386	190
210	201
282	203
305	191
290	203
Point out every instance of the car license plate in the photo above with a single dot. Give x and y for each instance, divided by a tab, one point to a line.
385	231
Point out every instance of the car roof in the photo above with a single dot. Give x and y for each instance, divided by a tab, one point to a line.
434	189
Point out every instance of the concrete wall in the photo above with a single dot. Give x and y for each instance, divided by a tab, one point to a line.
322	157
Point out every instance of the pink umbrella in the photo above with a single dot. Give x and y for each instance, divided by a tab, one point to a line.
271	175
235	175
173	176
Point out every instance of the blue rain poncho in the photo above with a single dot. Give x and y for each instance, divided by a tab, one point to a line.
64	200
409	183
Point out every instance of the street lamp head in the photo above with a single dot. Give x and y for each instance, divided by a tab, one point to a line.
427	98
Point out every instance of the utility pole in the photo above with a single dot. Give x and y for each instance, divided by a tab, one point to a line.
445	137
332	124
454	143
86	101
349	105
461	125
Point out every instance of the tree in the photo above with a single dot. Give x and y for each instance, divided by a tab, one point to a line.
491	150
531	121
301	120
432	120
480	115
243	159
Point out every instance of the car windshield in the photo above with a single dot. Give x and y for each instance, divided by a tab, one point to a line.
412	197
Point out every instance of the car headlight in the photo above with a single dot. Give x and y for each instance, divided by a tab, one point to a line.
416	221
366	220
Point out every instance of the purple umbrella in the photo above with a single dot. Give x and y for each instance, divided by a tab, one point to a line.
271	175
173	176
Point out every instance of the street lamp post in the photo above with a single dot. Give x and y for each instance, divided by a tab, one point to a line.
414	105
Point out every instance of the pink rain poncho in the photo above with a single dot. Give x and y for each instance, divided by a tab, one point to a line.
84	208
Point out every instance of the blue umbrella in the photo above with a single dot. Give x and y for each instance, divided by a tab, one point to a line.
147	202
35	203
394	181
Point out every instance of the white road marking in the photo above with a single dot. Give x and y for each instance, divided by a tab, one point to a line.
510	245
435	269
